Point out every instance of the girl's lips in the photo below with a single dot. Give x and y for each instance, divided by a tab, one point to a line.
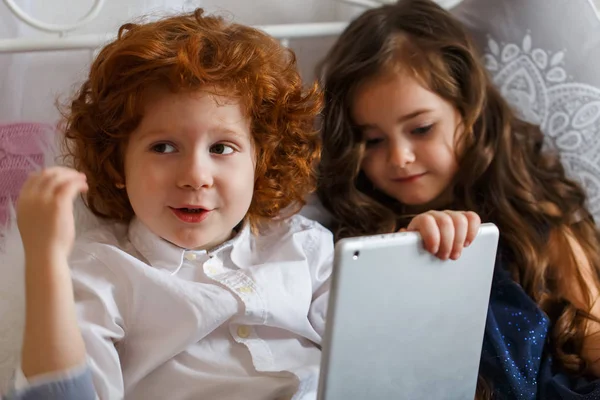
409	179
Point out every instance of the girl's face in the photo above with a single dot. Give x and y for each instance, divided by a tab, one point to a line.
409	134
189	167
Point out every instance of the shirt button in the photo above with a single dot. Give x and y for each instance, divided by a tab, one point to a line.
243	331
211	270
190	256
245	289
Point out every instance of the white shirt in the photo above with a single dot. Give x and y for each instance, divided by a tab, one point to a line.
243	321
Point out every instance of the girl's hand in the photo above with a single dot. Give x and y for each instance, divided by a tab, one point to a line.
446	233
45	212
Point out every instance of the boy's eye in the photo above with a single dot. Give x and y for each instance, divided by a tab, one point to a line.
422	130
163	148
221	148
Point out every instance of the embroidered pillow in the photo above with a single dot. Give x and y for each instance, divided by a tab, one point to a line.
544	55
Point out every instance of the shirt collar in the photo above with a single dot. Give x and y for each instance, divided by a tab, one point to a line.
162	254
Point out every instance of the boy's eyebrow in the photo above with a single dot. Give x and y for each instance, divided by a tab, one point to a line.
400	120
217	130
151	132
227	131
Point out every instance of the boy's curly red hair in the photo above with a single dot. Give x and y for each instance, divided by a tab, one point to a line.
196	52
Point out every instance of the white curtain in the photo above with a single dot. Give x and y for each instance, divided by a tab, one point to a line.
11	93
31	84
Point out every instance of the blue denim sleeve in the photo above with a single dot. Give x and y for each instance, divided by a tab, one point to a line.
76	387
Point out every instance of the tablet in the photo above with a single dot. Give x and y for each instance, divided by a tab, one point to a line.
403	324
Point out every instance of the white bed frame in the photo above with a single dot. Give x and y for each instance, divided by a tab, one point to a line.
60	39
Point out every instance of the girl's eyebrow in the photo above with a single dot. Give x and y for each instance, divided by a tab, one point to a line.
402	119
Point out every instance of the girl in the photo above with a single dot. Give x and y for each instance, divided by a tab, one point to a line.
412	123
194	140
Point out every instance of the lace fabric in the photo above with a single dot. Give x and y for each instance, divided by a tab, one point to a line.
22	148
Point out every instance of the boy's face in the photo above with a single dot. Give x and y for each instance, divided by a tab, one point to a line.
189	167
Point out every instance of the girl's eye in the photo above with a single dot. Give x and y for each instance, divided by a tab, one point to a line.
422	130
373	142
221	148
163	148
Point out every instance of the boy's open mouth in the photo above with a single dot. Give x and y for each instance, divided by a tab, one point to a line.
191	214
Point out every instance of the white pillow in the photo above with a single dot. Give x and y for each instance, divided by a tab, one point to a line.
12	305
544	55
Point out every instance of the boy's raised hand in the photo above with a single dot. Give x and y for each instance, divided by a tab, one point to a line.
45	212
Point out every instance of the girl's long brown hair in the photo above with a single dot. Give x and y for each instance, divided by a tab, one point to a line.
504	175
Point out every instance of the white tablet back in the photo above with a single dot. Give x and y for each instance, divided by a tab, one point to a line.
403	324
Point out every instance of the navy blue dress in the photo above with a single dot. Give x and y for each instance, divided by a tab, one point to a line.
515	357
